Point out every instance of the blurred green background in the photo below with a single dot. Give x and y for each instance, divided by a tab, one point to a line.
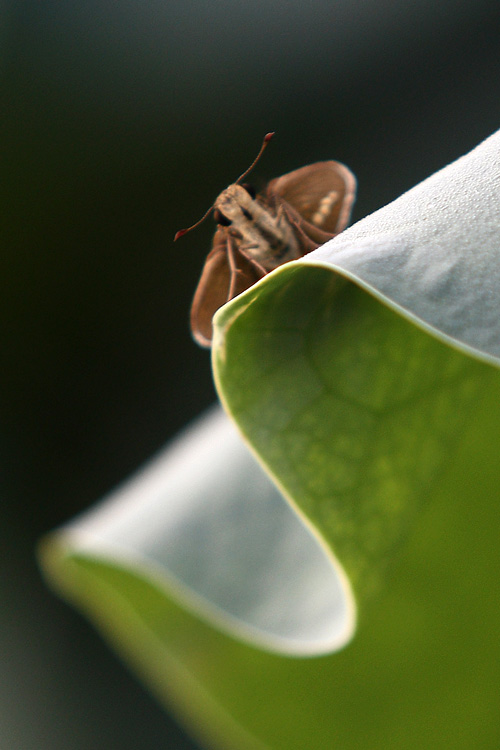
120	123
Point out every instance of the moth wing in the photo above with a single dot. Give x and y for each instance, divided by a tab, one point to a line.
221	280
323	194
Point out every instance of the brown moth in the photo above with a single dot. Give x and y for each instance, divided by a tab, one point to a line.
298	212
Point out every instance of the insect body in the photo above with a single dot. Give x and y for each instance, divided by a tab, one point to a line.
263	236
298	212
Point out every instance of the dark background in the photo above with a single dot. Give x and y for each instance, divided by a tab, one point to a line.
119	124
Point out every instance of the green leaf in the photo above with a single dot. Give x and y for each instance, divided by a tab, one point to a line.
353	409
365	380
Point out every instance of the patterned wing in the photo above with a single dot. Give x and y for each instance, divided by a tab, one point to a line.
323	194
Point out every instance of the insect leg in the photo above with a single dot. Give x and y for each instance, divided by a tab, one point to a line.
243	271
233	267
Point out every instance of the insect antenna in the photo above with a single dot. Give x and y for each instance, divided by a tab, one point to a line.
265	141
182	232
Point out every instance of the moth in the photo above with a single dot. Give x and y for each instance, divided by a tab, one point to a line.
298	212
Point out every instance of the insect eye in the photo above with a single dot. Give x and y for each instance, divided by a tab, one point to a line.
221	219
250	189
